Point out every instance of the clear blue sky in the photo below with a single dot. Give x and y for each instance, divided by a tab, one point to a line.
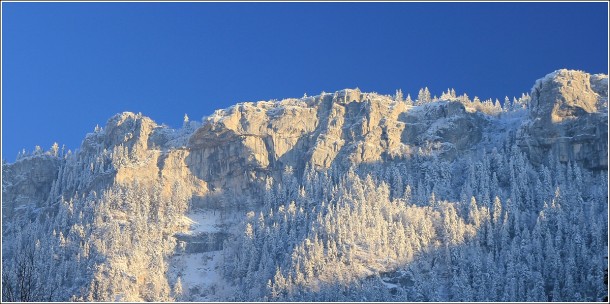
69	66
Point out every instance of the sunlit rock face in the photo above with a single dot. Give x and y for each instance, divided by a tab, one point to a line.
568	118
128	129
563	95
252	140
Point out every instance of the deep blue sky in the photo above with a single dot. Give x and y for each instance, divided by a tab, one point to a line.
69	66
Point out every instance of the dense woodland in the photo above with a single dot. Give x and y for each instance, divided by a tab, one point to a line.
510	232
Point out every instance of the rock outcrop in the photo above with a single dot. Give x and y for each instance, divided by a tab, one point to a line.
446	125
568	118
28	182
349	127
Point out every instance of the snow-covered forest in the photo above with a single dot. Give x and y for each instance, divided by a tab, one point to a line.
510	232
375	198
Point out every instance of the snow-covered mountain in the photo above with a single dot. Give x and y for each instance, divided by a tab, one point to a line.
348	196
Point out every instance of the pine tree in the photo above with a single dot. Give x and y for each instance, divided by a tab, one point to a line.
398	96
55	149
409	101
423	96
178	291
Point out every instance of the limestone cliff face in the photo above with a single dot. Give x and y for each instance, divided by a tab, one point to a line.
148	155
236	149
348	126
28	181
568	117
446	125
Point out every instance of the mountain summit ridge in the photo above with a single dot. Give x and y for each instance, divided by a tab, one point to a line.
264	137
567	116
